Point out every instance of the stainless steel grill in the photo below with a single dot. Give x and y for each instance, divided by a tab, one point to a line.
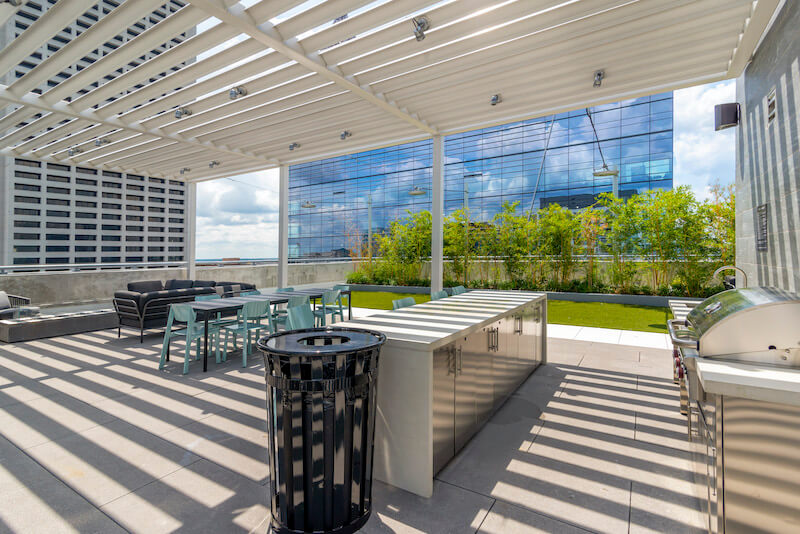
757	326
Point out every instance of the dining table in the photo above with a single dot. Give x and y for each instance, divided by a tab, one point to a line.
205	309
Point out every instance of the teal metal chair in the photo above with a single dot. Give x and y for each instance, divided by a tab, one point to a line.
279	315
403	303
192	331
331	304
345	298
457	290
299	317
284	290
219	321
213	296
250	320
436	295
250	293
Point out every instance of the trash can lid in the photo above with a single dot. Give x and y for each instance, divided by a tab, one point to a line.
325	340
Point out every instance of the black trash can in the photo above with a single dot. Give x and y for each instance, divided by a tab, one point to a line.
321	396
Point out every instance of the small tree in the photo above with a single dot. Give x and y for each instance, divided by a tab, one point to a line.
621	238
592	226
560	235
510	239
720	214
457	243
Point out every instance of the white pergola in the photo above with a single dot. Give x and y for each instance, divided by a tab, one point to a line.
311	70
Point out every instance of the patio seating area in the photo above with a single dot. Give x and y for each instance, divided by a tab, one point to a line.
94	438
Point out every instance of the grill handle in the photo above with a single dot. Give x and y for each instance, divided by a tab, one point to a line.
680	337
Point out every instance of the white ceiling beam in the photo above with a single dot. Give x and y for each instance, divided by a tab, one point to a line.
50	23
64	109
751	35
7	11
240	21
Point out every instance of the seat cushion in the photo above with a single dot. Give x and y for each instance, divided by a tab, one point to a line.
177	284
146	286
243	286
203	283
7	313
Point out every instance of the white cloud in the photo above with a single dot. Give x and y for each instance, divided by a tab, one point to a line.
238	218
703	156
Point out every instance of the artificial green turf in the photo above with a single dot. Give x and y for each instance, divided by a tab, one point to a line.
382	300
599	314
604	315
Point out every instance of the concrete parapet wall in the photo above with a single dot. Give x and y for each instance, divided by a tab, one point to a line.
50	288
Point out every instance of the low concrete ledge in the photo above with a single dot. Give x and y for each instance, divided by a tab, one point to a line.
42	326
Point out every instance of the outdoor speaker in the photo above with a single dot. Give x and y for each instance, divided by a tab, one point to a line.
726	116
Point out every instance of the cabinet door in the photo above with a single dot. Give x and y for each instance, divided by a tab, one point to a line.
478	364
504	360
465	395
443	406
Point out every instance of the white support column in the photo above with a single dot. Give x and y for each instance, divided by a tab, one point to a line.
190	221
437	212
283	227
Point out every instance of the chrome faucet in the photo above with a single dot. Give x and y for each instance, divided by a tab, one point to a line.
735	268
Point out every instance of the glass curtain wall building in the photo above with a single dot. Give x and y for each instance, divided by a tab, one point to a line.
536	162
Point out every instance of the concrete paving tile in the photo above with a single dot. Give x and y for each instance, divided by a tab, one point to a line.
655	509
450	510
644	339
106	462
48	418
669	430
504	518
562	331
231	439
563	357
599	335
590	416
202	497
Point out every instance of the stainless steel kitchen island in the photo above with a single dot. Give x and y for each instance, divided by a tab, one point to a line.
446	366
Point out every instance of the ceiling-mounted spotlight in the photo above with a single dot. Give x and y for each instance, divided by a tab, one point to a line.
74	150
345	134
292	146
15	3
496	99
101	141
182	112
421	25
598	78
236	92
185	170
212	164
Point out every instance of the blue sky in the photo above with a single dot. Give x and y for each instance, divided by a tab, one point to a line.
237	218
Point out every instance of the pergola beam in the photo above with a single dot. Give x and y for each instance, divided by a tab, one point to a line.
237	19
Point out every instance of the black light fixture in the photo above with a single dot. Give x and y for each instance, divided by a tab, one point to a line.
236	92
182	112
496	99
101	141
292	146
726	116
212	164
598	78
421	25
345	134
185	170
74	150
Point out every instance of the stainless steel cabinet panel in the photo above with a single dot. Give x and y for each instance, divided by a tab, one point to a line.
444	404
466	409
504	361
479	362
760	466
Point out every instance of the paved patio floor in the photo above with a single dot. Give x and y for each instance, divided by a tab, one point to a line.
93	438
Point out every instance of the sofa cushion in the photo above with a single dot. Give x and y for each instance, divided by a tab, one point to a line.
8	313
4	302
203	283
146	286
244	286
177	284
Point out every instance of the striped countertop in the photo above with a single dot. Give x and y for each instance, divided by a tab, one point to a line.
434	324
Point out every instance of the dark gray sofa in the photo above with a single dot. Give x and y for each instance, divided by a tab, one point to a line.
146	304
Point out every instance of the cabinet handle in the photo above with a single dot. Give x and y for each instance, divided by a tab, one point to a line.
518	324
460	362
451	364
